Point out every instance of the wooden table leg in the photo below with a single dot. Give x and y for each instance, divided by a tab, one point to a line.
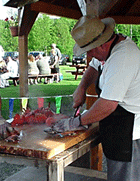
76	74
55	171
96	154
15	82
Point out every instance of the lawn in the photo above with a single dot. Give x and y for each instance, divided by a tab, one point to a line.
65	88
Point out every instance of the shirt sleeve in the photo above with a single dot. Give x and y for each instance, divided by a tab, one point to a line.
94	63
118	74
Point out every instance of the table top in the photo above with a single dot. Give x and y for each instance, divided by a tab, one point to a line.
38	144
78	66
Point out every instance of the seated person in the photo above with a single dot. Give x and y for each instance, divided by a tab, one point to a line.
43	66
3	67
32	68
11	70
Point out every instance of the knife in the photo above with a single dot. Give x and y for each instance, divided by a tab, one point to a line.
77	111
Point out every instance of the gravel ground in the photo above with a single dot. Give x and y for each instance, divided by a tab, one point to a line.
7	169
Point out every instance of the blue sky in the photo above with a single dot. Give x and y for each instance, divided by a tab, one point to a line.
4	10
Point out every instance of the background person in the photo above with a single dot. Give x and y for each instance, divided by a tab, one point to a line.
32	68
11	71
55	57
118	85
43	66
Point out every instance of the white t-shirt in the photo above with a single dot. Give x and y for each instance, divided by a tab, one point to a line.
12	67
120	79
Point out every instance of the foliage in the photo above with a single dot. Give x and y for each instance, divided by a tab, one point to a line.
66	87
12	21
132	31
8	42
39	37
46	31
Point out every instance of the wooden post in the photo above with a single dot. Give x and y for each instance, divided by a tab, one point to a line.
23	65
96	155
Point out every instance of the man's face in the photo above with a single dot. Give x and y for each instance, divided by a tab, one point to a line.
102	51
99	53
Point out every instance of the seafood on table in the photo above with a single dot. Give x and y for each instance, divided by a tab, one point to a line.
39	116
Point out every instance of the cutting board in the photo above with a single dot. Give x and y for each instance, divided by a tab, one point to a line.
38	144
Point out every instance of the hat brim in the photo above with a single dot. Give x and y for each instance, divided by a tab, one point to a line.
110	25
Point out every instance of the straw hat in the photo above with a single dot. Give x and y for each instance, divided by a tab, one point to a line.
91	32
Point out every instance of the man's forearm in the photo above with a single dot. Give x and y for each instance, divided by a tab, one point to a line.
99	110
88	78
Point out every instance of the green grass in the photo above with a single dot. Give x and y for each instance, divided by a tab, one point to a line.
66	87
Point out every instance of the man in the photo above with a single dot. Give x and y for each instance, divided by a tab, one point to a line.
12	71
118	106
43	66
55	57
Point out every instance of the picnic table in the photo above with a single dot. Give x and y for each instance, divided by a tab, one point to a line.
77	71
15	79
37	148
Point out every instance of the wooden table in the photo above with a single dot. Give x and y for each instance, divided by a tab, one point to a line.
38	148
77	72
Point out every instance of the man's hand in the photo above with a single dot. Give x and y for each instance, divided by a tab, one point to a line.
70	124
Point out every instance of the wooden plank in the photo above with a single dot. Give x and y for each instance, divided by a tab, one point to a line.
77	73
38	144
23	65
105	7
126	19
134	8
15	79
96	155
57	10
92	8
27	19
19	3
55	171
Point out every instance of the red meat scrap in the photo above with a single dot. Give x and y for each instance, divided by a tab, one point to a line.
37	116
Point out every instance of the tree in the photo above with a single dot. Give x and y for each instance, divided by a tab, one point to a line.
64	40
39	37
132	31
8	42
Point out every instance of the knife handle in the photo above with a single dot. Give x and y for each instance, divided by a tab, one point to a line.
77	111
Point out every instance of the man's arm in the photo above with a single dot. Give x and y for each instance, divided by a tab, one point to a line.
88	78
99	110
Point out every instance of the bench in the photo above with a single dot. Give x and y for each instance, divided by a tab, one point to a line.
80	70
15	79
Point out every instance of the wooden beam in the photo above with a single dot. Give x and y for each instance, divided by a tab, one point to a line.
18	3
134	8
27	20
23	65
121	8
105	7
92	7
55	10
126	19
96	158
